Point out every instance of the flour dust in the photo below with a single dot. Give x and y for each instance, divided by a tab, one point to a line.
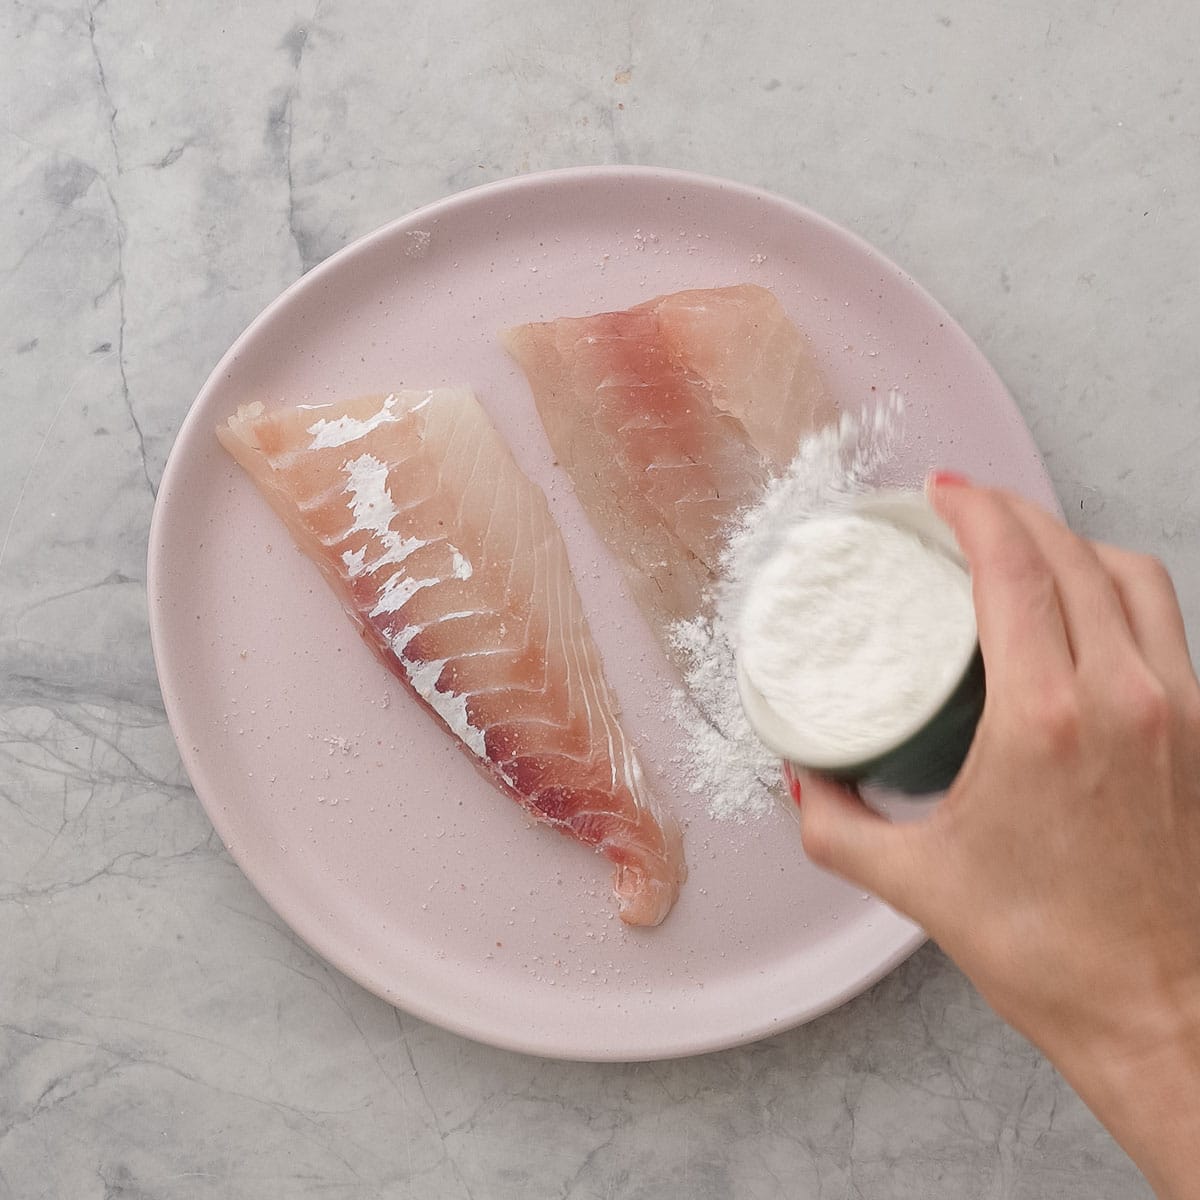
721	759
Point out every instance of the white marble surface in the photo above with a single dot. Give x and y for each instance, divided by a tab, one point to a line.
165	170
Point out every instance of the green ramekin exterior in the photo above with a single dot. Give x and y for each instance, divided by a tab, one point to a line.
928	761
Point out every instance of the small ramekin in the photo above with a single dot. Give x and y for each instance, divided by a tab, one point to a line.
926	758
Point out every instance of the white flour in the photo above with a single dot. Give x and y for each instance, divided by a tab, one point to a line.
721	759
853	628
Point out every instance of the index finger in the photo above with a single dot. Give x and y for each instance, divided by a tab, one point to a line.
1021	630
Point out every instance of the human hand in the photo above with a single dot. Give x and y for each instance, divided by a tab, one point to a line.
1062	869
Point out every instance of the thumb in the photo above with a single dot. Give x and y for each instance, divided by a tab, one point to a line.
842	835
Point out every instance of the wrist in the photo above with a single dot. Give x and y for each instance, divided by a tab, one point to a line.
1140	1075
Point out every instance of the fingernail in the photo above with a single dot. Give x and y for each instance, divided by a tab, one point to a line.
940	479
792	782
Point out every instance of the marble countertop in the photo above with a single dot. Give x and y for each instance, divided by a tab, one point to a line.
165	171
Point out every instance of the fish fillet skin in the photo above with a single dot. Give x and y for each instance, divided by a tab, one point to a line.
670	418
446	556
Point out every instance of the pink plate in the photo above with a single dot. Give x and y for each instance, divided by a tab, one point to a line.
357	819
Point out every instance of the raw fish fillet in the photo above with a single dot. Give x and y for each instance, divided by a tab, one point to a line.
670	418
447	558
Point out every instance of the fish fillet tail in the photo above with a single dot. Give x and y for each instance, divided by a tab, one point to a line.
647	885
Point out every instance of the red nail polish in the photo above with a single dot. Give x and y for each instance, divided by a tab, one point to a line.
792	782
937	479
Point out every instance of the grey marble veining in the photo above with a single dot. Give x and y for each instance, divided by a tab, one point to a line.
165	170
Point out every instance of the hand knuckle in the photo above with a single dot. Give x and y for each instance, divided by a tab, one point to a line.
1020	564
1143	705
1154	571
1059	720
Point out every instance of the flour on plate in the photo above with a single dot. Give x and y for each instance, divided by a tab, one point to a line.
721	759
